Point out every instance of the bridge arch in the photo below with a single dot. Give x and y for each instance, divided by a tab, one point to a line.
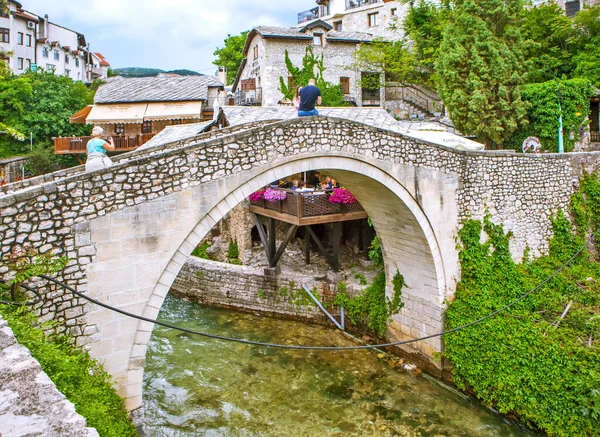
408	236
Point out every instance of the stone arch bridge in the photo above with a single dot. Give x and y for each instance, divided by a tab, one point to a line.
128	230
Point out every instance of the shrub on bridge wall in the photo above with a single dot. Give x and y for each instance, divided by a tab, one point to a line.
76	375
533	361
81	379
372	308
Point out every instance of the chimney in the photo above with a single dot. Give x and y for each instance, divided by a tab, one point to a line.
44	29
222	75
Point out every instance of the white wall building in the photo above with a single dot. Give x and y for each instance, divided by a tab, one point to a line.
62	50
18	35
36	42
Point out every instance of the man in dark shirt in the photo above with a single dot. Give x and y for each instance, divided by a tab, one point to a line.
309	95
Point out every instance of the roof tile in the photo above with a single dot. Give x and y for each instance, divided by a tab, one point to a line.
155	89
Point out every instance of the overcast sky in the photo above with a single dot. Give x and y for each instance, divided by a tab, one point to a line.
167	34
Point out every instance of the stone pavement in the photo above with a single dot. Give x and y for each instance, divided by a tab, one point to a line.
30	403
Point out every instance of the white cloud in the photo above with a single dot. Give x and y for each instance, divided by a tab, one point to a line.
166	34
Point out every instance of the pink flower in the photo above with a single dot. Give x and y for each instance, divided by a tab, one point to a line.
257	196
272	195
342	195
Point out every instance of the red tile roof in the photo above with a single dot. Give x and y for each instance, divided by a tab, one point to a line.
103	61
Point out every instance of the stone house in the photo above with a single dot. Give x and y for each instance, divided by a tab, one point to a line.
571	7
258	79
371	16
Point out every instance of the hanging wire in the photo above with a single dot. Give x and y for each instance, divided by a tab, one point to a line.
314	348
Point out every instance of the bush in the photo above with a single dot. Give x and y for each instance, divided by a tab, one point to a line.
529	361
81	379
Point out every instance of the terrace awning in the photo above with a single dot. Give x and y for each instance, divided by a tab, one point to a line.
117	113
446	139
80	116
173	110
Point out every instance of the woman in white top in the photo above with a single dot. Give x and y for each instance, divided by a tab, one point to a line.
96	151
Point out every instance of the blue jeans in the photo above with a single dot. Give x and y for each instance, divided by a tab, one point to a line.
308	113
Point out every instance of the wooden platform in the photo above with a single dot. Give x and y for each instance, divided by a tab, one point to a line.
308	208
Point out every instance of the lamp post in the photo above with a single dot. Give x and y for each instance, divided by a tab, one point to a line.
561	148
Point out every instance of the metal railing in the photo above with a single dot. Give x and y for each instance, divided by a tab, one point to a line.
353	4
66	145
248	97
309	15
307	204
595	136
419	99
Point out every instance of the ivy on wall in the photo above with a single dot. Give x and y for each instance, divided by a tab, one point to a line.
312	68
372	308
80	378
540	360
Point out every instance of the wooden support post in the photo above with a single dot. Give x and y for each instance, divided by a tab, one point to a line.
361	243
336	242
263	237
307	247
330	260
288	237
272	241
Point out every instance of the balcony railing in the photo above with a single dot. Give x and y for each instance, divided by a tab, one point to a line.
249	97
353	4
72	145
309	207
309	15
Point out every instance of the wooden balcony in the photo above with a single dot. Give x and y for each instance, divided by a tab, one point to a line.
75	145
308	208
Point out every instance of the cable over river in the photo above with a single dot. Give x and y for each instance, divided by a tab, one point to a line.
194	386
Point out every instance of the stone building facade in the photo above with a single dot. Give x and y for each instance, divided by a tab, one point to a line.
370	16
258	80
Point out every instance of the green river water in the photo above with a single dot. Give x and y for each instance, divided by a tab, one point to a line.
194	386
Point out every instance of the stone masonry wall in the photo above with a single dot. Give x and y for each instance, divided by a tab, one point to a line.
129	224
245	288
270	65
125	157
519	190
30	403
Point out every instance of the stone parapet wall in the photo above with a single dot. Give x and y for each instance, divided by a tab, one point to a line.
30	403
125	157
129	229
245	288
519	190
11	169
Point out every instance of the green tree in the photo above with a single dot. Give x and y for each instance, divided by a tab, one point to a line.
390	57
549	35
480	69
586	26
425	24
40	103
544	111
312	67
231	54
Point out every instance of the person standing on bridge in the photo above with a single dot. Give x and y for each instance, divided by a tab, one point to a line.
309	95
96	151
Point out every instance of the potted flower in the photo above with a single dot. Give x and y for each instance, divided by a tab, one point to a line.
343	196
272	195
257	196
